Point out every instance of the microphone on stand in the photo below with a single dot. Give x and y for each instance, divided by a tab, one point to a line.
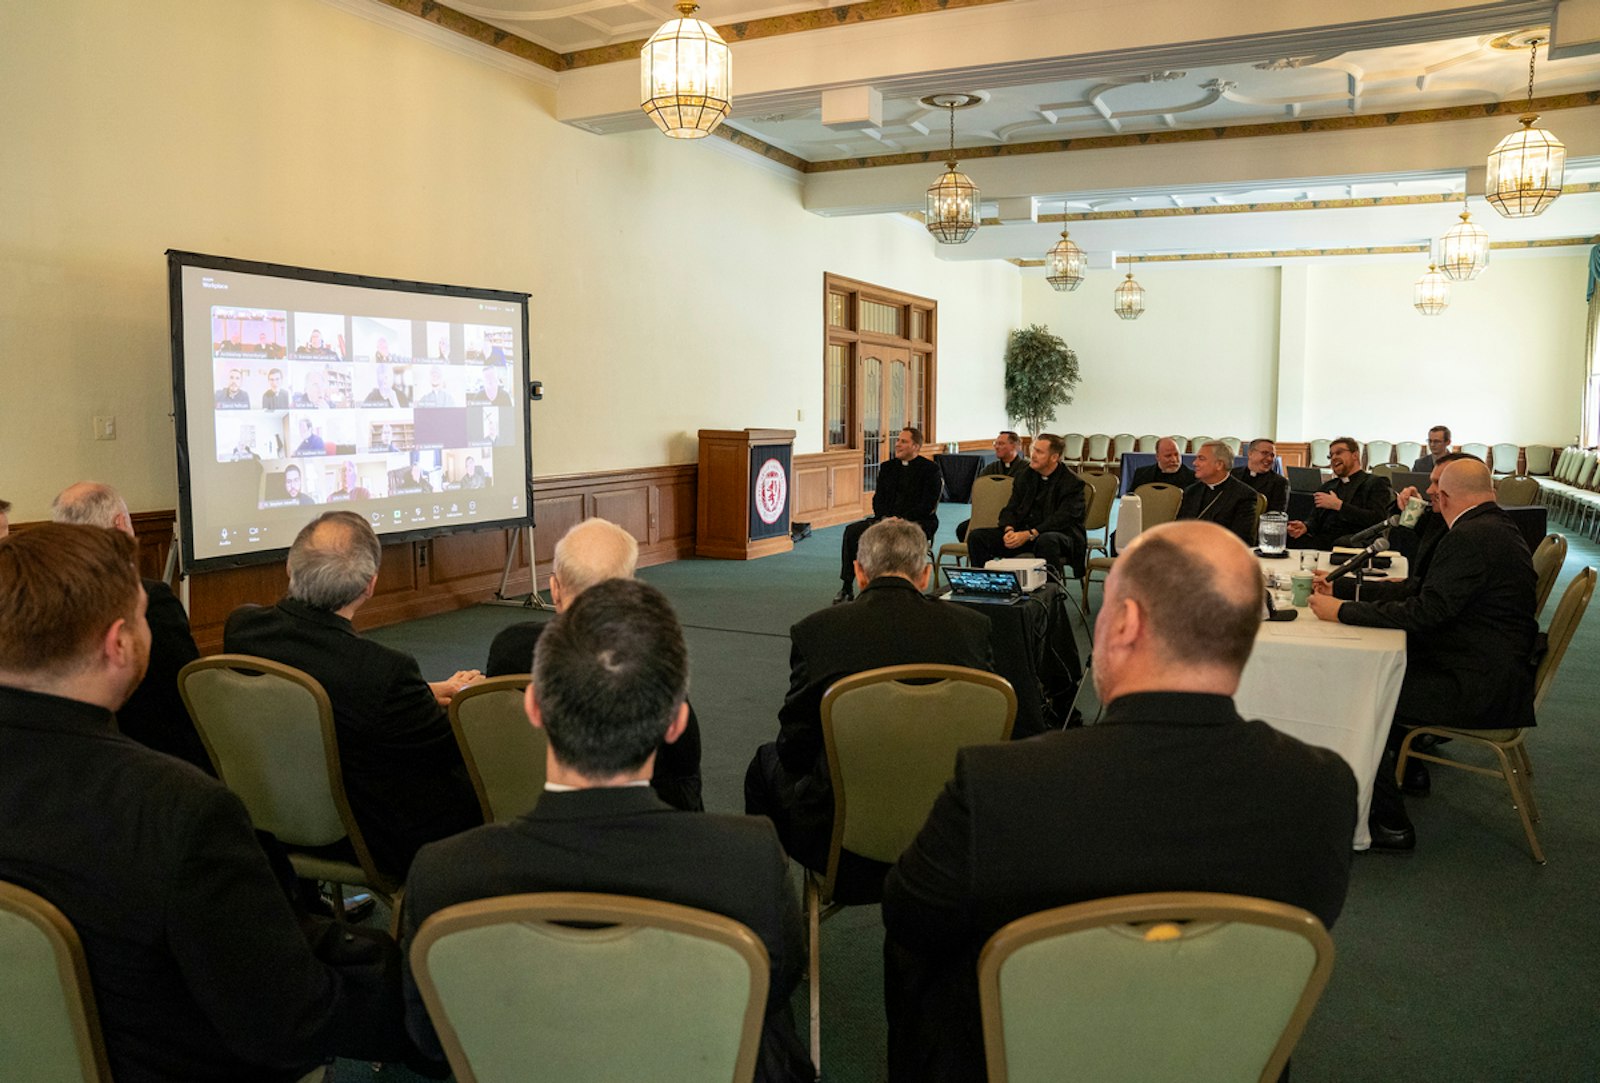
1378	545
1361	537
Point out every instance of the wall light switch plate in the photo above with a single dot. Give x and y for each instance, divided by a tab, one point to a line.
105	427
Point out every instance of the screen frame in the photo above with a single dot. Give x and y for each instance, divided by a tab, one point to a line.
178	260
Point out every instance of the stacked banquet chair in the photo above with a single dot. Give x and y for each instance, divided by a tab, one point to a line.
1570	491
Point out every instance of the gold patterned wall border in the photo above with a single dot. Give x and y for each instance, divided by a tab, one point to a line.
756	146
824	18
1308	253
480	31
1362	122
1286	205
796	22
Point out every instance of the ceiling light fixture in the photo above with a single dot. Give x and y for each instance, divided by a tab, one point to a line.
1065	265
1431	295
1464	250
952	215
686	76
1129	303
1526	168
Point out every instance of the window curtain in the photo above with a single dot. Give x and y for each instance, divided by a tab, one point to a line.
1591	355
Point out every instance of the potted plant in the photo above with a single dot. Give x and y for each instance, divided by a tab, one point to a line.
1041	374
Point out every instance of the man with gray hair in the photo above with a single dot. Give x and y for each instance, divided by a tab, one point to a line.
1219	497
892	623
154	715
594	551
403	771
1172	791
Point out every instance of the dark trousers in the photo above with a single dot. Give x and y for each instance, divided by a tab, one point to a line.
852	543
802	811
1059	550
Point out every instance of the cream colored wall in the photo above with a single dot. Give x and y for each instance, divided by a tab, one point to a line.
1217	346
1503	362
1200	361
676	286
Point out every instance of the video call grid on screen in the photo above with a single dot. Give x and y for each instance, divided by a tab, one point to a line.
296	391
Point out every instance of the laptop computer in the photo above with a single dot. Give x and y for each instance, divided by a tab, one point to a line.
982	585
1402	478
1304	479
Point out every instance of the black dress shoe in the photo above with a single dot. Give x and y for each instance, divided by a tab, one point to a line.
1417	781
846	594
356	907
1392	839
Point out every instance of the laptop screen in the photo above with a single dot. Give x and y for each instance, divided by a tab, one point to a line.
997	584
1304	479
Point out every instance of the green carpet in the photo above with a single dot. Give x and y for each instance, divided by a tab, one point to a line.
1464	961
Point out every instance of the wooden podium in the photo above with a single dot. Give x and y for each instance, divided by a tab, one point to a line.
745	482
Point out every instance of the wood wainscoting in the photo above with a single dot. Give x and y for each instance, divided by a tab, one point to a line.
827	488
654	504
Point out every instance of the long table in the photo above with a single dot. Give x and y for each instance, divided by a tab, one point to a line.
1331	685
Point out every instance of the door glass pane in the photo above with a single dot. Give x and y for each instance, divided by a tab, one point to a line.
838	394
872	449
916	400
897	398
884	319
919	324
838	310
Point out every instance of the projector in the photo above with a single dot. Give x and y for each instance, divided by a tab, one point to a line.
1028	570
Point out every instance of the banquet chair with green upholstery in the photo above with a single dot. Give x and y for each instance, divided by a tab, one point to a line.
49	1028
504	752
891	736
1547	561
1188	986
589	988
269	731
1509	745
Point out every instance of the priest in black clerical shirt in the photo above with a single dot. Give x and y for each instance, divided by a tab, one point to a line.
1260	473
1168	469
1044	517
1219	497
1352	501
909	487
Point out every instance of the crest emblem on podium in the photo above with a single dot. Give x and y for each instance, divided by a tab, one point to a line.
771	491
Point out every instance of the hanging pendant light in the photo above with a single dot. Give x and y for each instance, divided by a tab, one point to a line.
686	76
1431	295
1129	303
1065	264
1464	250
1526	168
952	214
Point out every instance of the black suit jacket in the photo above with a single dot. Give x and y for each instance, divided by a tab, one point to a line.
199	969
890	624
1013	471
1171	792
1273	485
403	771
1182	477
909	491
155	715
1366	498
1050	505
1470	629
624	841
677	771
1231	505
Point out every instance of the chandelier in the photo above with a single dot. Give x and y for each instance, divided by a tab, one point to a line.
1065	264
686	76
1526	168
952	214
1464	250
1129	302
1431	295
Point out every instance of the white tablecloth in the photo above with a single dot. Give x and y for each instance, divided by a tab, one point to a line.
1331	685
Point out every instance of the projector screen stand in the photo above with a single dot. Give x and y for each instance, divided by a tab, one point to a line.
531	600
